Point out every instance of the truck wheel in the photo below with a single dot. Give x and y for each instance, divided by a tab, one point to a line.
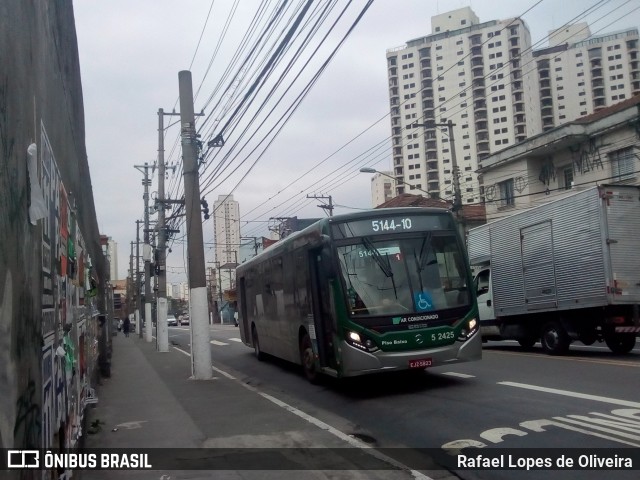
256	343
554	339
307	358
621	342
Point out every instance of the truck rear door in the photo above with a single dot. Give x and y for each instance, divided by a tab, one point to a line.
622	207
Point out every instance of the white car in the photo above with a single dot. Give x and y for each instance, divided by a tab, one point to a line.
172	321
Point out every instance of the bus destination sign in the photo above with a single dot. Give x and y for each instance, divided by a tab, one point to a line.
386	224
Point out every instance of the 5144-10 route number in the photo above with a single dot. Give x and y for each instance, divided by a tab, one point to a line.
391	225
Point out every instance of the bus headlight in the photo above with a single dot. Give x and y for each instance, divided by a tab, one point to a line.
468	330
361	342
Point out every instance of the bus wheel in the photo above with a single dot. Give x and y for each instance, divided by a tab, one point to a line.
554	339
620	343
307	358
256	343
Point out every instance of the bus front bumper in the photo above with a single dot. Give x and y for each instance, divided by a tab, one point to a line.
357	362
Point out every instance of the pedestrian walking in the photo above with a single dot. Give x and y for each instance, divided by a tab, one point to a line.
126	324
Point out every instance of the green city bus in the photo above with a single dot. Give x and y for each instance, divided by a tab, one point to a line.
373	291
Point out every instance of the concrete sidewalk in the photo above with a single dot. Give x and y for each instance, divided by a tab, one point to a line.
149	402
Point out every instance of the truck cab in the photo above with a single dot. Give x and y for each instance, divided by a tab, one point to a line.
484	292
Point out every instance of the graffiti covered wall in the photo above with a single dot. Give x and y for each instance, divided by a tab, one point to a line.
52	270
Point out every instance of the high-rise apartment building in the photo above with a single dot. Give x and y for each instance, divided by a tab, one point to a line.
579	74
469	73
112	251
382	188
226	229
497	91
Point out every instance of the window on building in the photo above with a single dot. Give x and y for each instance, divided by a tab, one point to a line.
622	164
507	196
567	177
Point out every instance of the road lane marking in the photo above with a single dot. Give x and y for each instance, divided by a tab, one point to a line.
620	363
236	339
354	442
216	342
456	374
567	393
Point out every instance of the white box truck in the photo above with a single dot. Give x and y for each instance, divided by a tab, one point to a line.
563	271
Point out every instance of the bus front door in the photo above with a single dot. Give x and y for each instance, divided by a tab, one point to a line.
323	314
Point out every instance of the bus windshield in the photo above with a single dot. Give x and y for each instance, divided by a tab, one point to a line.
409	275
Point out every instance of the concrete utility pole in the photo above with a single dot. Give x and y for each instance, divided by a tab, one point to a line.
138	282
147	252
161	307
130	284
329	207
201	353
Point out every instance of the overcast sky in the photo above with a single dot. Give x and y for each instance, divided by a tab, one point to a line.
130	56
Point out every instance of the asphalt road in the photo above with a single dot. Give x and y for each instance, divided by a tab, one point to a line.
513	398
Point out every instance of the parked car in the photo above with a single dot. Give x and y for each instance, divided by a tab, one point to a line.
172	321
184	320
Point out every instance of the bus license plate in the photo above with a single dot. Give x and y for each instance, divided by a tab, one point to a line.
421	363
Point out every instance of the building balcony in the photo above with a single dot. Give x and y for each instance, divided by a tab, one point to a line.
432	166
476	40
546	112
482	137
480	115
596	73
480	106
432	177
426	72
431	146
393	73
481	126
478	92
598	93
521	138
399	172
476	52
517	86
477	62
597	83
547	123
477	72
634	66
483	147
635	87
520	120
595	53
427	92
545	94
425	63
543	74
397	162
393	93
596	62
433	187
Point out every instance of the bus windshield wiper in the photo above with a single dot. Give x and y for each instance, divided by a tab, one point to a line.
382	262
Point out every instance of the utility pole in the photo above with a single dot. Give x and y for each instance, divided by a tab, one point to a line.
255	244
161	307
325	207
200	347
147	253
138	282
457	195
130	284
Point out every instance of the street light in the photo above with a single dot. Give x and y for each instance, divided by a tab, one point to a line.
373	170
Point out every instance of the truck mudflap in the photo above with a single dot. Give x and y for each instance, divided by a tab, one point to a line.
627	329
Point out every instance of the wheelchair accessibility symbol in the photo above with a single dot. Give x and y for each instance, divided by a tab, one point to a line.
423	301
